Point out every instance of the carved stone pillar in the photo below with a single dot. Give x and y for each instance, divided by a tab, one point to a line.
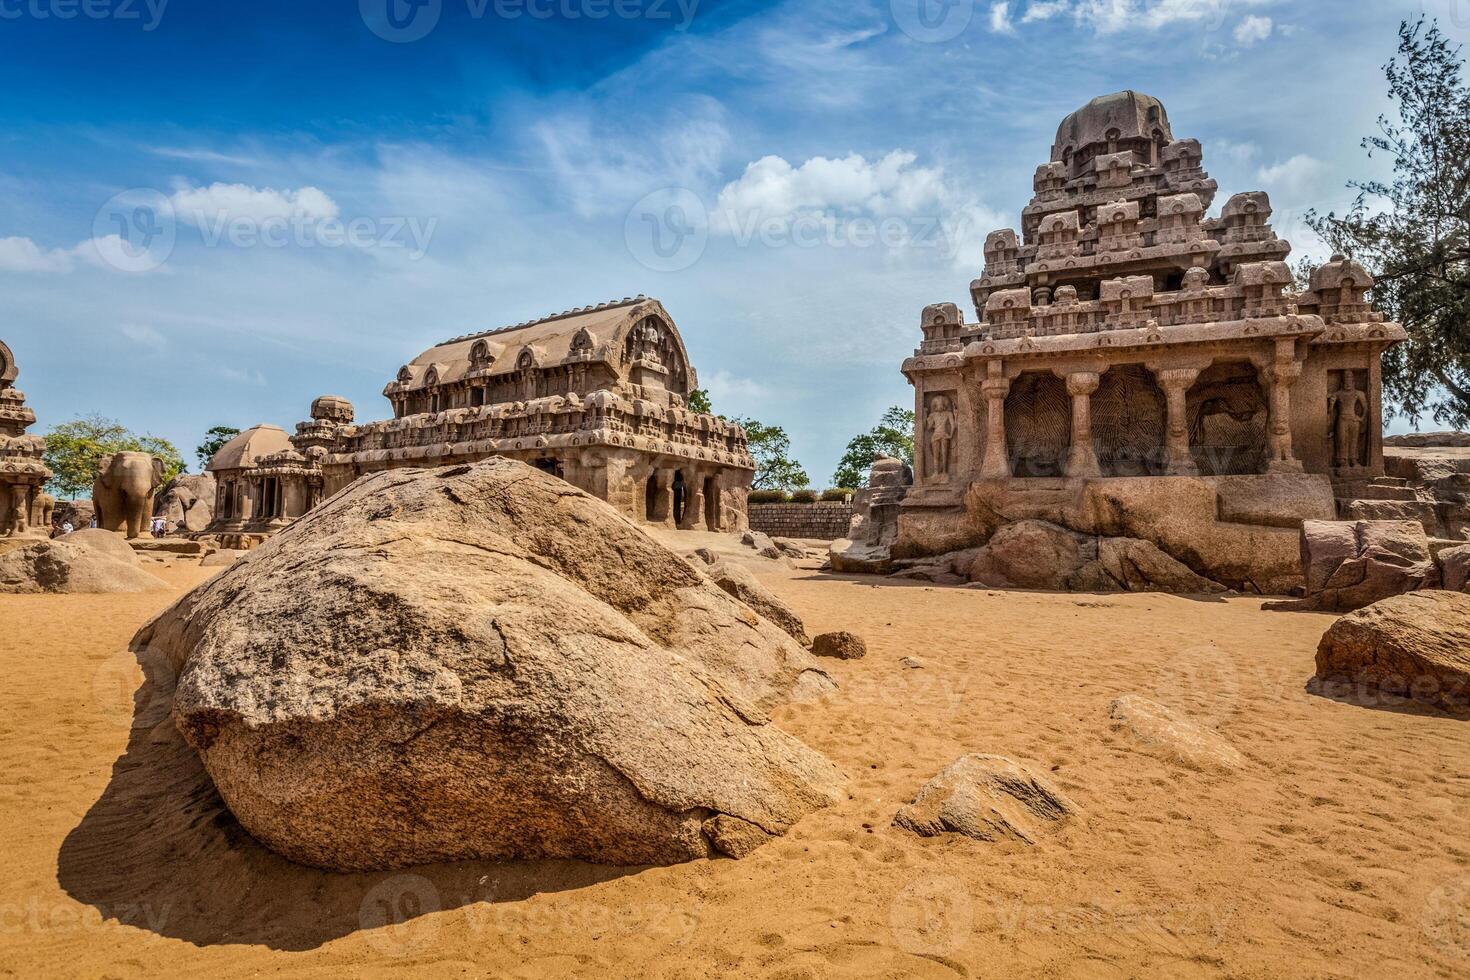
1176	383
1082	459
997	463
1279	376
663	501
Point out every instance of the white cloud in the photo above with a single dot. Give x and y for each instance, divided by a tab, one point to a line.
202	206
1045	10
144	336
730	391
1113	16
1252	30
23	255
1296	177
1238	153
772	188
1000	18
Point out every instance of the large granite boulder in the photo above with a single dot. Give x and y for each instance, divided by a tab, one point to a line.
187	500
741	583
1454	567
1351	564
68	566
483	661
1415	646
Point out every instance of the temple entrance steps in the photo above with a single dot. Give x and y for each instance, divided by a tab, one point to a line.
1378	488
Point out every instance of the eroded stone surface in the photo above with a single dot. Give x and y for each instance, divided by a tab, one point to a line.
68	567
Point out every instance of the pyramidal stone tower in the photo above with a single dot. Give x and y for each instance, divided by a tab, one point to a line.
1126	334
25	509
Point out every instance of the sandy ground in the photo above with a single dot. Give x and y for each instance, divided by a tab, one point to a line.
1342	849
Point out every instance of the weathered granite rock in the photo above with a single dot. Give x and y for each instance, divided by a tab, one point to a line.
1165	733
1454	568
988	798
1415	646
483	661
109	542
762	544
1140	566
743	585
873	530
1035	554
841	645
1348	565
68	567
187	500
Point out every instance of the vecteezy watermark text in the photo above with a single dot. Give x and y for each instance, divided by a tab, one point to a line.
149	13
405	21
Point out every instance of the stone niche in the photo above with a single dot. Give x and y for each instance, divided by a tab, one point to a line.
1131	351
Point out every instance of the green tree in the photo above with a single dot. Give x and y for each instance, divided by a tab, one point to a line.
73	449
893	436
214	441
1413	232
770	447
699	401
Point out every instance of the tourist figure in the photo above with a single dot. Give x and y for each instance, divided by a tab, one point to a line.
1348	408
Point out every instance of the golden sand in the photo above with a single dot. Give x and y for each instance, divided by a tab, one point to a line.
1342	848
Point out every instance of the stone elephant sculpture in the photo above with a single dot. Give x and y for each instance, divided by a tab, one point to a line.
43	508
123	492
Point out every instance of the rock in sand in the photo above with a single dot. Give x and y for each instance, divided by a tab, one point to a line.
1414	646
1169	735
988	798
483	661
70	567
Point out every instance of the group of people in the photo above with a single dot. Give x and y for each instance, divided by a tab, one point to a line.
160	527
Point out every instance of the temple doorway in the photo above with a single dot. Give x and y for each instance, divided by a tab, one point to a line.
680	498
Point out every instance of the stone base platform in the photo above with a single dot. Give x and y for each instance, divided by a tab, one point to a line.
173	546
1240	531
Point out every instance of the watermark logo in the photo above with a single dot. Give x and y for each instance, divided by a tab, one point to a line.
397	915
1202	681
932	21
135	231
667	230
1447	917
401	21
933	916
147	13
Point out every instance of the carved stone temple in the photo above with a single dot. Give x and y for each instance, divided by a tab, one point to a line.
597	395
25	507
1142	366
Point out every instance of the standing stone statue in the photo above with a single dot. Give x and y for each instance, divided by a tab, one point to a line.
123	492
940	427
1348	408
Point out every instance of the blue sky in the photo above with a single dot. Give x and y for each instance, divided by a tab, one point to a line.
211	213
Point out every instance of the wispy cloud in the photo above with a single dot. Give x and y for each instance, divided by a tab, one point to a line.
1000	18
1252	30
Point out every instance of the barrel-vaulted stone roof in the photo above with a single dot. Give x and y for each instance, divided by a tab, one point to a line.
590	334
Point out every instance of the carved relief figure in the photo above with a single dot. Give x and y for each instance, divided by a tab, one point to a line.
1348	410
941	429
15	520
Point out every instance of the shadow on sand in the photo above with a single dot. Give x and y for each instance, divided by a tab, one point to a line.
889	582
1360	695
159	851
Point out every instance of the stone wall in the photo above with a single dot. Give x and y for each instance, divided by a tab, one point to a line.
823	521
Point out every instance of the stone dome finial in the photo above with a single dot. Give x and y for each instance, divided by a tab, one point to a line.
332	408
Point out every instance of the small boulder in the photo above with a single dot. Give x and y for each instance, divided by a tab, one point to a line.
1029	555
1165	733
704	556
223	558
63	567
1414	646
843	646
1454	566
987	798
741	583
